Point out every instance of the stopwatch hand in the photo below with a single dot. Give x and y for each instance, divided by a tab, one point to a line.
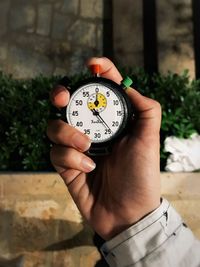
96	102
96	113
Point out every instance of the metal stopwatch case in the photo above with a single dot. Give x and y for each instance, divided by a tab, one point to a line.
99	108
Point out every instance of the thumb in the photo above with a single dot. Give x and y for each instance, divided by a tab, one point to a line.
147	111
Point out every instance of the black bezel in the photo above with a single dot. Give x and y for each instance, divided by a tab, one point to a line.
102	147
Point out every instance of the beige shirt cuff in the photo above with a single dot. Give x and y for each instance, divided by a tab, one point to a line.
142	238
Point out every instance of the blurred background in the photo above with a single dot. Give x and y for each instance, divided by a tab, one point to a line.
156	42
57	36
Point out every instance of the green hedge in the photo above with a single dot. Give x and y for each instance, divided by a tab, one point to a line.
25	109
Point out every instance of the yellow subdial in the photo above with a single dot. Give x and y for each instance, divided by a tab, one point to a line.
97	101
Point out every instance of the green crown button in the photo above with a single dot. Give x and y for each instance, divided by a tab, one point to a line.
126	82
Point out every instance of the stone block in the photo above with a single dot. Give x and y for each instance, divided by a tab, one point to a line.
185	13
89	256
91	9
61	24
71	235
79	57
59	52
1	189
177	59
82	257
36	43
65	258
6	218
22	16
7	204
47	231
175	36
12	262
173	19
99	46
24	63
181	185
44	19
29	234
34	184
69	211
13	184
69	7
182	190
3	51
37	259
4	9
42	209
62	208
59	71
128	33
180	2
83	33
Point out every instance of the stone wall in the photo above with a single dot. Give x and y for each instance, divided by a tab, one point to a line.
40	225
174	30
128	32
175	36
49	36
57	36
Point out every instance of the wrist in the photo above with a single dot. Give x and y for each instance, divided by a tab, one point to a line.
150	235
129	218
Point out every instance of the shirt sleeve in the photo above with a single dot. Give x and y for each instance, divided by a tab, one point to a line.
159	239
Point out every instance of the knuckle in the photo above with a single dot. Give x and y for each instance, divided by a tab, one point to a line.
54	130
49	129
61	155
157	107
52	154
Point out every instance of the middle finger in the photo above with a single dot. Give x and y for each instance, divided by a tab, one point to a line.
62	133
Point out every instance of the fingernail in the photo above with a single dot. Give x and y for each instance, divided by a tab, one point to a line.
81	142
88	165
57	91
60	95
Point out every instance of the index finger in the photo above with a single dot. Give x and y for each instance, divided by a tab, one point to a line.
60	95
107	68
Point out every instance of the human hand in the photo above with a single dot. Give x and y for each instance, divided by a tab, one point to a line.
125	185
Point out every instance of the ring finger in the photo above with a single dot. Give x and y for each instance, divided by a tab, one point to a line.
69	158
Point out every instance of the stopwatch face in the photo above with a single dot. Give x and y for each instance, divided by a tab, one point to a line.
98	111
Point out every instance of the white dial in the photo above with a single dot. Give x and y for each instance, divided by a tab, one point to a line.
97	111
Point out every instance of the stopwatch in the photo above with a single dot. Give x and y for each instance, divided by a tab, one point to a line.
99	108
